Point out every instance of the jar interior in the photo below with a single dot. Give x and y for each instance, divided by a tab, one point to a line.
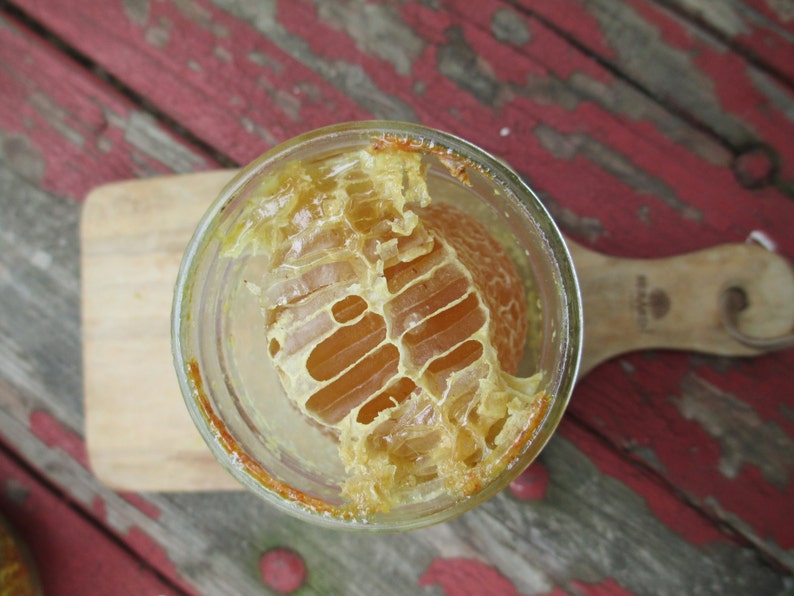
219	325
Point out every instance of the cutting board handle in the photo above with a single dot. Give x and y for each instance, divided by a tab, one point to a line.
139	434
732	300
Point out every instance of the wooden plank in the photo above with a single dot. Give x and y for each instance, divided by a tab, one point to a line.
696	74
235	90
760	29
138	431
223	552
57	537
94	130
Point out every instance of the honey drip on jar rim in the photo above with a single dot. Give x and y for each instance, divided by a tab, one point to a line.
394	322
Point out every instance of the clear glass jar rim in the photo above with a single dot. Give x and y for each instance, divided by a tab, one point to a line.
497	168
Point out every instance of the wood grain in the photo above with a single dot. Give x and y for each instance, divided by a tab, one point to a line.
741	103
132	238
762	31
674	303
660	452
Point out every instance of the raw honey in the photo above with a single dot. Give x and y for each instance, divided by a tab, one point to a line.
395	321
376	326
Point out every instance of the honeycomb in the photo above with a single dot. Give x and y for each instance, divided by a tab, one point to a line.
396	323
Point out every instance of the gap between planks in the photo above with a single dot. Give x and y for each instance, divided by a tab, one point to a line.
615	70
84	515
18	14
743	51
23	20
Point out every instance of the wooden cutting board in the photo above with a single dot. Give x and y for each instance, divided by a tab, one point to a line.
138	432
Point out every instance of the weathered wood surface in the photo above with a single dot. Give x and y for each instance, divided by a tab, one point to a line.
762	30
54	531
671	473
741	99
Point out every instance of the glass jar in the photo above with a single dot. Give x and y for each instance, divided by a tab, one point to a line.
229	383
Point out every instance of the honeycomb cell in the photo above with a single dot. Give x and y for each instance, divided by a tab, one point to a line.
395	320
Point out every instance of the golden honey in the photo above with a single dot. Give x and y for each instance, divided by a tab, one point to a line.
395	321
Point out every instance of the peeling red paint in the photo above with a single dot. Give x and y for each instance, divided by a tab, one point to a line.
203	97
574	18
283	570
709	57
672	31
689	457
766	40
675	514
140	503
99	508
71	553
429	23
52	433
770	506
70	121
464	577
696	190
745	438
742	98
741	379
146	547
608	587
531	485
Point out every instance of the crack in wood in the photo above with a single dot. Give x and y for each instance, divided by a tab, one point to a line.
614	69
726	35
87	64
83	512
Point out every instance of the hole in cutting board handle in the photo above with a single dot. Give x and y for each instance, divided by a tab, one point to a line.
733	301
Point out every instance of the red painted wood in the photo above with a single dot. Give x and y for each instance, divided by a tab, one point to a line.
441	104
532	484
283	570
761	29
675	514
64	125
632	184
737	414
464	577
233	88
460	577
733	97
69	132
739	94
71	554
